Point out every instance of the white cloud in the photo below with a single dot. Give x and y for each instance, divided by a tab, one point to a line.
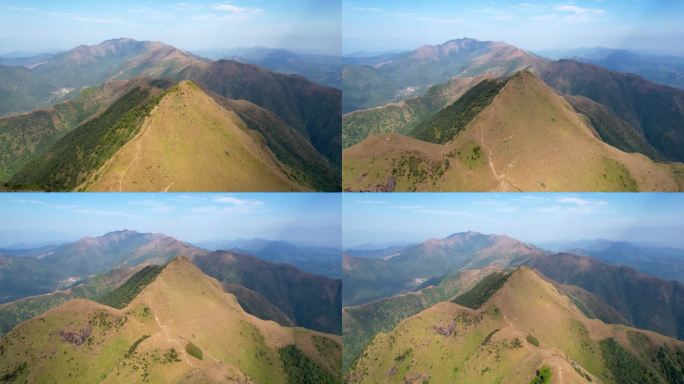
411	16
236	202
63	15
76	208
576	13
576	201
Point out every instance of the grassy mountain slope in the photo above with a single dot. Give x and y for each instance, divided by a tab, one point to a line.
73	157
182	327
402	117
410	73
312	109
310	301
304	163
92	288
611	128
646	301
444	125
506	340
361	323
528	139
26	135
190	143
656	111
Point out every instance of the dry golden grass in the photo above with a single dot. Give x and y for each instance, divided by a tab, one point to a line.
181	306
483	346
190	143
528	139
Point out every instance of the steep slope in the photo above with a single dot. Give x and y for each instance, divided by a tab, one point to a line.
73	157
92	288
528	139
409	73
190	143
182	327
402	117
304	163
310	301
366	279
312	109
361	323
646	301
506	340
656	111
26	135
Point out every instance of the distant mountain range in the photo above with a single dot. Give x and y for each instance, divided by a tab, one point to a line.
472	116
280	132
662	69
322	69
324	261
169	323
32	283
383	295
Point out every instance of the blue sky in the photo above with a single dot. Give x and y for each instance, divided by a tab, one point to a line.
41	25
36	218
653	218
382	25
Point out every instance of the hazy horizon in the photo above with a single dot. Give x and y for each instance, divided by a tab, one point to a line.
537	218
639	25
300	218
304	25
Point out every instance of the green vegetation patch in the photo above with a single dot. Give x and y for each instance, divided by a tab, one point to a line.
300	369
543	376
624	366
444	125
618	177
194	351
483	290
74	157
120	297
13	374
532	340
134	346
670	364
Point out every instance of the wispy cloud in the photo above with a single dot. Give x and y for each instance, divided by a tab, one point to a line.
62	15
77	208
418	208
571	205
411	16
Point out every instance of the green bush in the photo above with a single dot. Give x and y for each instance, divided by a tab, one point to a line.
624	366
444	125
532	340
483	290
194	351
302	370
120	297
543	376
